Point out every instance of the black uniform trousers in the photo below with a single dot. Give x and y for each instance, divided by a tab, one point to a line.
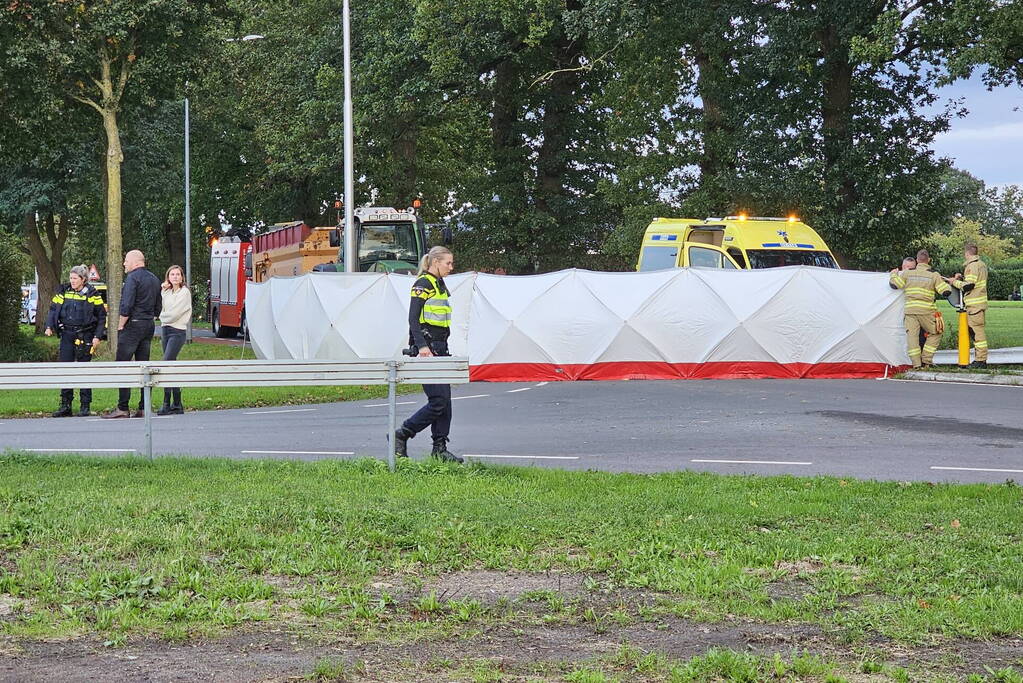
133	343
75	348
436	414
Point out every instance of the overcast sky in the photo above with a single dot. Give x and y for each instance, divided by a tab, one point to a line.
988	142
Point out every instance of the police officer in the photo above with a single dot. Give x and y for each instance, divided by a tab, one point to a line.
141	303
920	285
973	282
429	326
76	314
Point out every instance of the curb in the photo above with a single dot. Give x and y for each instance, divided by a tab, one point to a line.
972	378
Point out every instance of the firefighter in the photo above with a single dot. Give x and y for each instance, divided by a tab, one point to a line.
974	287
920	285
429	327
76	314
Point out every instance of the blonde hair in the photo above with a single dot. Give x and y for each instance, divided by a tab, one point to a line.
81	271
432	256
166	278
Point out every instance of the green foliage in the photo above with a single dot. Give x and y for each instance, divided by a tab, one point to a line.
12	268
1002	282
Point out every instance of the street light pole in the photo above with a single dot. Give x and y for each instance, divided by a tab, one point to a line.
351	262
188	214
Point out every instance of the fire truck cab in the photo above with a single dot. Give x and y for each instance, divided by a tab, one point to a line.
227	285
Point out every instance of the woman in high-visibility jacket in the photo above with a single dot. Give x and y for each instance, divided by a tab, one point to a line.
429	326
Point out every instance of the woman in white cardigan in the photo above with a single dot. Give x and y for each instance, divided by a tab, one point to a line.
177	311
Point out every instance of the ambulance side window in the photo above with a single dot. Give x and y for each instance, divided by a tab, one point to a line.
700	257
736	254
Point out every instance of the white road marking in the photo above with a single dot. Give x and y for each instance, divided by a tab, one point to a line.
525	457
515	391
458	398
977	469
154	417
966	384
298	452
271	412
384	405
753	462
541	384
78	450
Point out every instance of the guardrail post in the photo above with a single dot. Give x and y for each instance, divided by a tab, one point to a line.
147	400
392	398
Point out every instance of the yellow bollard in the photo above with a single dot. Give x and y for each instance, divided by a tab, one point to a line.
964	340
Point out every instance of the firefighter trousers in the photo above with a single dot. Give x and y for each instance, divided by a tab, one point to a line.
976	322
915	322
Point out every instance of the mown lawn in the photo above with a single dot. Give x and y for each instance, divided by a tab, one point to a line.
36	403
1004	324
178	547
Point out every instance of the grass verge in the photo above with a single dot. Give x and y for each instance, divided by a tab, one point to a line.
39	403
122	547
1004	324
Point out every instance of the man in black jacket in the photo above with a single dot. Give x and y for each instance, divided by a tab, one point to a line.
140	306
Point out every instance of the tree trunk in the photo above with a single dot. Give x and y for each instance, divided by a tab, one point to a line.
405	178
836	116
717	160
174	239
48	259
552	157
115	278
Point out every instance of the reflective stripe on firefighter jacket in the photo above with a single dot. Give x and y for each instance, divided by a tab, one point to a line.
975	273
437	308
920	285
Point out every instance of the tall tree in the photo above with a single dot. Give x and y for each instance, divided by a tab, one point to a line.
109	56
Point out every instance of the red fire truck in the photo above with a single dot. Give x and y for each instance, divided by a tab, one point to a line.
389	240
227	285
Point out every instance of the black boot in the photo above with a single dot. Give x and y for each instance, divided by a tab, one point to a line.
63	411
176	407
440	450
401	437
83	411
165	409
978	364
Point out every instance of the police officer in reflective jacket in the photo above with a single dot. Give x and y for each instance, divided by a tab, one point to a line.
76	314
429	326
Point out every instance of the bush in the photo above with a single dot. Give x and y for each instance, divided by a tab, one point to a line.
12	265
1002	281
25	348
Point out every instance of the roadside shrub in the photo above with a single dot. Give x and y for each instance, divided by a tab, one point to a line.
12	265
1001	282
25	348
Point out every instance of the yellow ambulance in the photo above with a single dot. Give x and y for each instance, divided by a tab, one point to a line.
735	242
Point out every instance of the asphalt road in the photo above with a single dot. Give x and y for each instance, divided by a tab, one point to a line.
869	429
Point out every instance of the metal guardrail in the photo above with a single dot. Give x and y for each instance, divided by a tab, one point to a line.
242	373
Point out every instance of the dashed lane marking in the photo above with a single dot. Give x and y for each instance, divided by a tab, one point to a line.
384	405
515	391
977	469
459	398
298	452
753	462
79	450
524	457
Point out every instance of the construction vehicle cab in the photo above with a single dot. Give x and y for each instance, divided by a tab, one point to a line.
734	242
385	234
